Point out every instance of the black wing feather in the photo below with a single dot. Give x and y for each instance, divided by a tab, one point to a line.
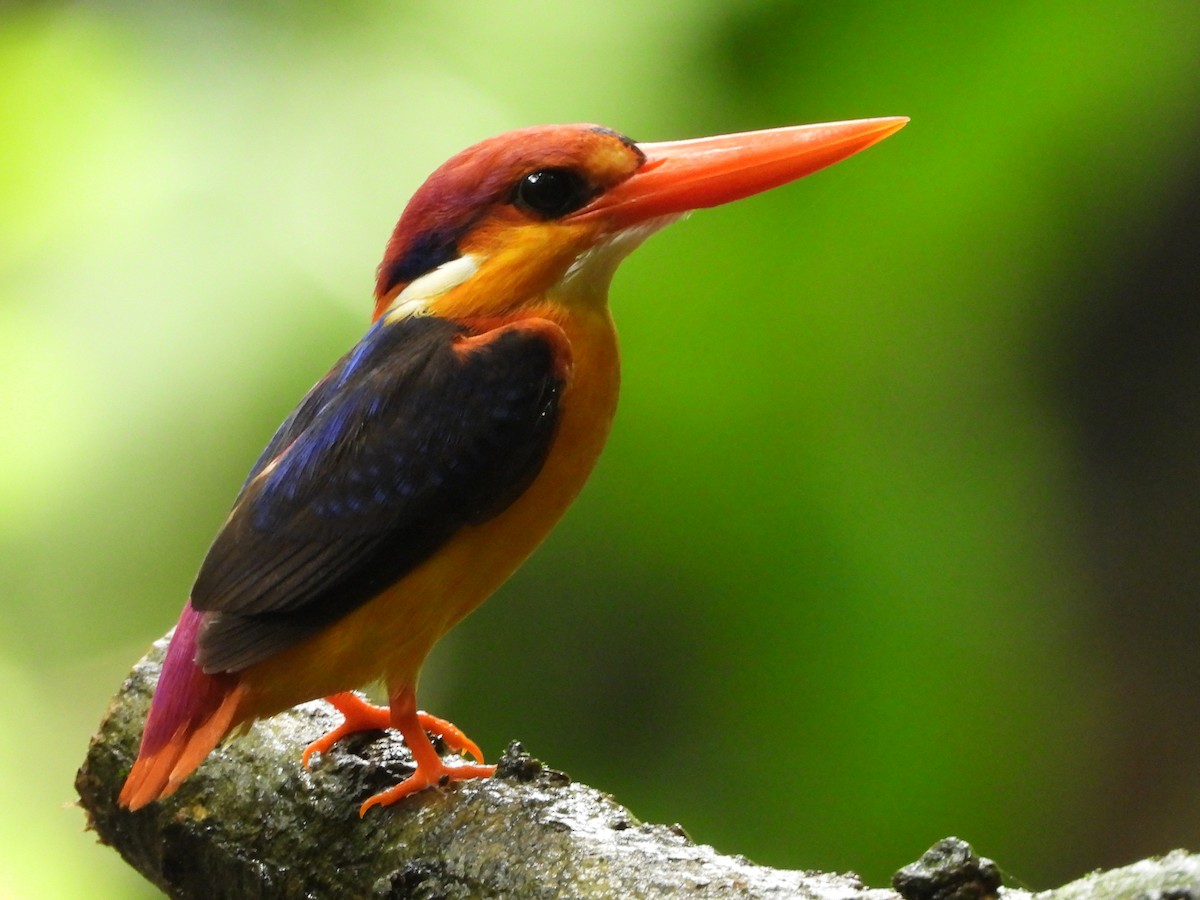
403	442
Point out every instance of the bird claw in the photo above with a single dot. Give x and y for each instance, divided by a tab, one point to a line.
357	715
424	777
451	735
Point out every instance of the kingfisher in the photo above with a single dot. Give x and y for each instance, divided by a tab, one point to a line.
434	457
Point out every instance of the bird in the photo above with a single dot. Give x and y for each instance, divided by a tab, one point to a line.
434	457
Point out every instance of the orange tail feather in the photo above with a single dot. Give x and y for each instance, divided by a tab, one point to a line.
158	773
190	713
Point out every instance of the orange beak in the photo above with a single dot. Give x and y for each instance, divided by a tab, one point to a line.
678	176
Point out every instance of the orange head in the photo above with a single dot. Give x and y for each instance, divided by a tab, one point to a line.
546	213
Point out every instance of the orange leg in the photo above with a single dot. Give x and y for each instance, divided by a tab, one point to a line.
412	725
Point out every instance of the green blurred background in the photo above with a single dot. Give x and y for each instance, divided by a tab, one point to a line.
897	533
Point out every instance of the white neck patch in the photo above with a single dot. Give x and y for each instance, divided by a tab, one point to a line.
414	300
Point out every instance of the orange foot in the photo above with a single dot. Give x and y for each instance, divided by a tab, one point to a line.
412	724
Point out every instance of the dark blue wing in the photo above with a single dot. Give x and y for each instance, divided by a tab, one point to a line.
407	439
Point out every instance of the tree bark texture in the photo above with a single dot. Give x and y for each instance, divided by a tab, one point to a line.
252	822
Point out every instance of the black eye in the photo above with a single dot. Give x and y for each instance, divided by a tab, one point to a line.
551	193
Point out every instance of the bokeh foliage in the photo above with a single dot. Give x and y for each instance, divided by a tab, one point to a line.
896	535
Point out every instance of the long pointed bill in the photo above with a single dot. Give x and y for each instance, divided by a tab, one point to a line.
683	175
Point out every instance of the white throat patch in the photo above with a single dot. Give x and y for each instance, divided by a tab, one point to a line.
592	271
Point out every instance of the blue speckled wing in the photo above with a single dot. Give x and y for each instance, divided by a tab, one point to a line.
406	440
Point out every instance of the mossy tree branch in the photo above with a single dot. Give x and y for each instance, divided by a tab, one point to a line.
251	822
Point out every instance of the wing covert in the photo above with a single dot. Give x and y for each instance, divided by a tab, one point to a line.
419	430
